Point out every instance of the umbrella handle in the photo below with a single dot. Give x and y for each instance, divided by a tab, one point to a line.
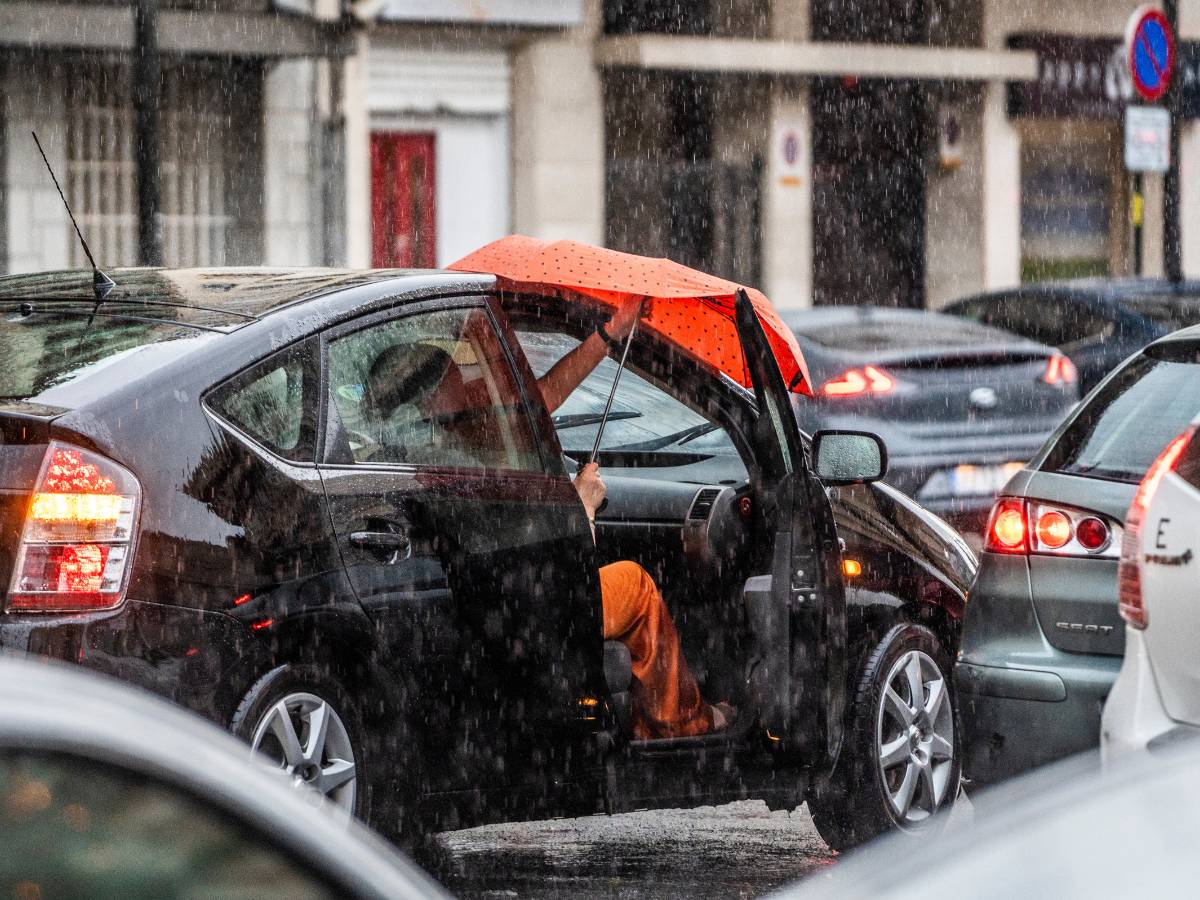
616	380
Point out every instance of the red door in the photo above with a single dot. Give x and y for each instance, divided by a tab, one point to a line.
402	201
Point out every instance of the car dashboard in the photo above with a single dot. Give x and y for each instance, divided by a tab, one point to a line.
663	509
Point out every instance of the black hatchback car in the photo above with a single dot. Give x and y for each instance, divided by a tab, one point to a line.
194	497
961	406
1097	322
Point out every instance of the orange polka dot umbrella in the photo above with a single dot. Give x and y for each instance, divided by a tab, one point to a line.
690	308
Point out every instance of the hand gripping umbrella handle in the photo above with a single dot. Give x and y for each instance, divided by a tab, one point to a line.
616	380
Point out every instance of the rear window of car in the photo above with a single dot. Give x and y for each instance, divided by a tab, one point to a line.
1127	424
871	334
48	346
1172	311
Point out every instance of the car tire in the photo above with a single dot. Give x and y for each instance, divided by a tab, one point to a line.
302	720
899	766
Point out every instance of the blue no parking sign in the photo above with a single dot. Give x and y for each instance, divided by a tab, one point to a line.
1151	48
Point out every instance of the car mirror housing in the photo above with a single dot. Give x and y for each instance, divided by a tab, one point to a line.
849	457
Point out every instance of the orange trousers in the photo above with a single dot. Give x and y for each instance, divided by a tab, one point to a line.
666	697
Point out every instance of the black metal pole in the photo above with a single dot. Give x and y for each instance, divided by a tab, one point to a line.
147	83
1172	252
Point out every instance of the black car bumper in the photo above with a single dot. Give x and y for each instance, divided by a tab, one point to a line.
204	661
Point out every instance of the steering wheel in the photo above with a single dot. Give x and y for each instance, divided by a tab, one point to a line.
717	541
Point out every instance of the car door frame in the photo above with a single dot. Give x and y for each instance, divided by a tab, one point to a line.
801	602
790	604
575	723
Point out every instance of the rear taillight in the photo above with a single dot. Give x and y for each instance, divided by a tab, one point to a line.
853	382
1129	576
1049	529
1060	370
78	536
1007	529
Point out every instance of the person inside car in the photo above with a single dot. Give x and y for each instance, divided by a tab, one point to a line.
412	386
416	394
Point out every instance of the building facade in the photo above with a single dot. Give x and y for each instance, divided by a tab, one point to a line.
246	124
897	152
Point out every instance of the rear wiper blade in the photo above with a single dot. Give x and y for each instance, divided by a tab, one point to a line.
576	420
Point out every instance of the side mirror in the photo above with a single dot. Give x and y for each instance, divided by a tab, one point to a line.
849	457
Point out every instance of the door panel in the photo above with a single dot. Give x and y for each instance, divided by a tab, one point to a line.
799	613
403	212
473	561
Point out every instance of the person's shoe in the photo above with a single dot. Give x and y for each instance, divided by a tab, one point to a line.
724	715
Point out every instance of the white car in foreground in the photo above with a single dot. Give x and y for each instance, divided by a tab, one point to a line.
1156	698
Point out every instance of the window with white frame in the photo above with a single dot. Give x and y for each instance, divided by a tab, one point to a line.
198	171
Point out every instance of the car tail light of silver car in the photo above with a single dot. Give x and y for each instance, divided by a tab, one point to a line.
77	543
1050	529
1129	577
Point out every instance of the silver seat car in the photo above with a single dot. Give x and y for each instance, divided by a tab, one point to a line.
1042	639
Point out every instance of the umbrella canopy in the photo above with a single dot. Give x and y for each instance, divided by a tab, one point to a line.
690	308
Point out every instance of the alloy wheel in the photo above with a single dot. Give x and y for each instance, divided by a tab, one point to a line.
303	735
914	738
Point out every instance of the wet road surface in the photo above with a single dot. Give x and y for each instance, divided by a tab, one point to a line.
737	850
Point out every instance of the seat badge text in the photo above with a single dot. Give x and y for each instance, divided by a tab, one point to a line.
1081	628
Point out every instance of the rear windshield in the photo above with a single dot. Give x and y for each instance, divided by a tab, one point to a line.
894	333
1127	424
55	344
1174	312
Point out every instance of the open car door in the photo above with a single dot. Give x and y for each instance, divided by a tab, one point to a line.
798	610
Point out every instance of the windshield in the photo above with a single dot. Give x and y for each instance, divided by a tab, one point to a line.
1127	424
644	418
888	332
56	346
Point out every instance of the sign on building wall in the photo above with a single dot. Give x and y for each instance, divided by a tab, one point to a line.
950	138
1147	139
1088	78
790	163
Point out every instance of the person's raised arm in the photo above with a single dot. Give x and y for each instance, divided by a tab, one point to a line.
568	373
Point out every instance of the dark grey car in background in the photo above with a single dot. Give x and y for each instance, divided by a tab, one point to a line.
1042	639
1097	322
961	406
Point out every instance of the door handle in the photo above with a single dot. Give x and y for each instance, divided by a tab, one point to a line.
391	541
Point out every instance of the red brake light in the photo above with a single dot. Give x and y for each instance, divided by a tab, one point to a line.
1093	534
1060	370
76	544
867	380
1008	528
1130	601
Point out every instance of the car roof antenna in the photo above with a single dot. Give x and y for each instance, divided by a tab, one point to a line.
102	285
